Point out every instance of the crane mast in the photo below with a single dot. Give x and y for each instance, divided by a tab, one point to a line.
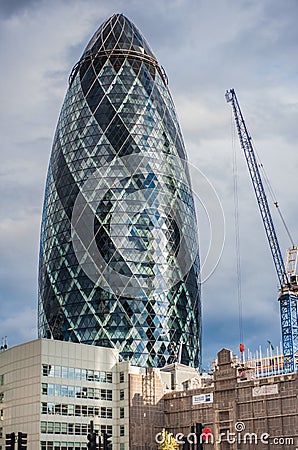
288	280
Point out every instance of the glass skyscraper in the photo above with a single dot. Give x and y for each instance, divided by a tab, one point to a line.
119	263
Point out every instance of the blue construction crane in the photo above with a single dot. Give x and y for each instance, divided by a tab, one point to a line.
286	273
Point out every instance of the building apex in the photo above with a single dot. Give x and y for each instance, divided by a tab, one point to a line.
118	33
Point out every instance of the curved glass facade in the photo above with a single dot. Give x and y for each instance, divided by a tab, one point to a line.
119	264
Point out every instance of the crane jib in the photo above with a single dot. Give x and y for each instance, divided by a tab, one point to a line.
287	276
246	144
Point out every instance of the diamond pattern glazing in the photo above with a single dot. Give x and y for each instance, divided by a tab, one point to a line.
119	264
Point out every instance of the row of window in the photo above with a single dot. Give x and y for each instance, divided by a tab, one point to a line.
51	445
74	373
76	410
56	445
59	390
65	409
79	429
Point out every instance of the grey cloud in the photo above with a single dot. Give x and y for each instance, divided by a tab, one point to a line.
10	7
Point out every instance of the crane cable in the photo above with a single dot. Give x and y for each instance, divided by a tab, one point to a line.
272	195
237	234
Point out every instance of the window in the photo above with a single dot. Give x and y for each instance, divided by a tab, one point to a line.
122	446
96	393
64	391
102	377
121	413
90	393
90	375
121	377
71	391
51	389
106	394
78	392
57	390
106	413
106	429
51	408
44	370
121	394
122	430
109	377
44	408
96	375
223	416
57	371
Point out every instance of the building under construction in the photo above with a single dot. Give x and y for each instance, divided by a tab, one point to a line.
235	407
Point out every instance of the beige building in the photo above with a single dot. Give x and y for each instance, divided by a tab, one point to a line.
51	390
241	409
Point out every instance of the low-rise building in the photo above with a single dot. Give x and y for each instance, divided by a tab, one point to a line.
52	389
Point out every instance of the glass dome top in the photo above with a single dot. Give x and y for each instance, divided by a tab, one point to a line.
118	33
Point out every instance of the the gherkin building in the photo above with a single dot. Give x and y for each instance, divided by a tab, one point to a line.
119	264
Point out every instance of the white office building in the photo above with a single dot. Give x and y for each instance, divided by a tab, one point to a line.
52	389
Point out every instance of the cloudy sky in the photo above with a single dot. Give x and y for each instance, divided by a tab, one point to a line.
206	47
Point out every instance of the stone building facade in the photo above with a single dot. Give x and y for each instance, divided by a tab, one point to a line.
240	410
